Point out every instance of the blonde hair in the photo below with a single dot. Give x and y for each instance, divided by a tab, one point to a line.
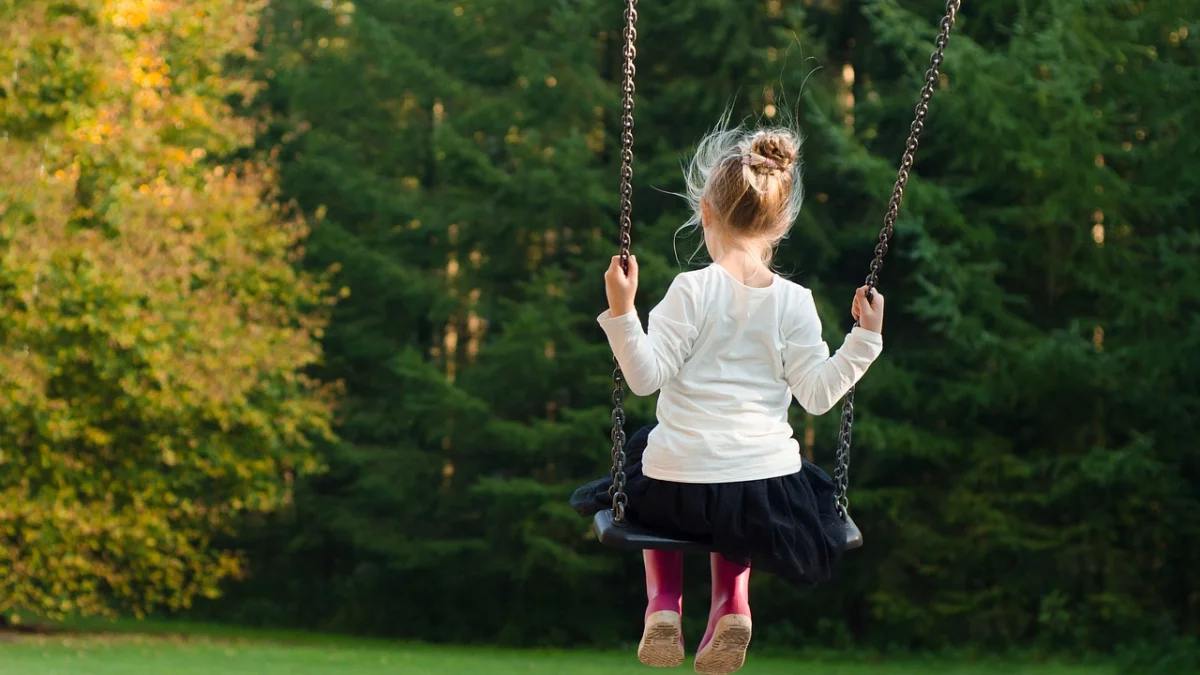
750	180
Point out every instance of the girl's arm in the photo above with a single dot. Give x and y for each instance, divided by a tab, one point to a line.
816	379
649	361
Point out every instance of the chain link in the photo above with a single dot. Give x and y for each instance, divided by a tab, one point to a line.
841	474
629	54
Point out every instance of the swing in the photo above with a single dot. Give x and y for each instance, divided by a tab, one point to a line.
611	527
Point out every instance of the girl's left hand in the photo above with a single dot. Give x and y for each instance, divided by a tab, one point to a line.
869	315
621	286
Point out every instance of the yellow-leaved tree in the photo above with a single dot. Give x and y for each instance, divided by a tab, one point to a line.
153	328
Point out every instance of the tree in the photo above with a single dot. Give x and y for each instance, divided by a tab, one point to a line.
1019	453
1018	447
155	332
457	194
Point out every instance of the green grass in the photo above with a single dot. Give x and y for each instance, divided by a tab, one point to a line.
155	649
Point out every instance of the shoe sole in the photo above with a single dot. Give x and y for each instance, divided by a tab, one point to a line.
726	652
661	646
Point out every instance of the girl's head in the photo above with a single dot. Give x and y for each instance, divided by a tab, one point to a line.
744	188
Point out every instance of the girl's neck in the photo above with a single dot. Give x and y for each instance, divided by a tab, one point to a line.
745	266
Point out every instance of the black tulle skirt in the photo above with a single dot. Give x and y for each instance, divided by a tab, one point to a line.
786	526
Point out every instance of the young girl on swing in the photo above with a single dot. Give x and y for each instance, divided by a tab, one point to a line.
728	347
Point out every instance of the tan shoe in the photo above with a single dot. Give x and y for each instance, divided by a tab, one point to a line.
662	641
726	651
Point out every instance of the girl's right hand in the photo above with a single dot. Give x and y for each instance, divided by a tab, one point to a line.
869	315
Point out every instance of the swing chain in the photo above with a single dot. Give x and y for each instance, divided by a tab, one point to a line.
617	491
841	474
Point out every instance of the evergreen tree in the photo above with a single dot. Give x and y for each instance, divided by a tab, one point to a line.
1022	463
1023	473
451	157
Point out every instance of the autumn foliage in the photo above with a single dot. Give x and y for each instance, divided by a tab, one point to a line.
154	332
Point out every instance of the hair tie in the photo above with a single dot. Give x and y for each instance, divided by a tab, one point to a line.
753	159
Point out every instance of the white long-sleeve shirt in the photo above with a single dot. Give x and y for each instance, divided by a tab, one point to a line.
728	358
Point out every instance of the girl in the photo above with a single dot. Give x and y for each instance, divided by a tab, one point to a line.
728	348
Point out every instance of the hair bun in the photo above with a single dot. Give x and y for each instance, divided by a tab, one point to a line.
777	148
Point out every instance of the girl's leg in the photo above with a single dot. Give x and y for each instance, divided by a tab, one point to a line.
662	639
723	649
664	581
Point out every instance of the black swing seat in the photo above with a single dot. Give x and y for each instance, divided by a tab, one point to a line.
629	536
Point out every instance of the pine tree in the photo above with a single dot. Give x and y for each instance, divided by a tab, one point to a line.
1017	460
451	158
1021	462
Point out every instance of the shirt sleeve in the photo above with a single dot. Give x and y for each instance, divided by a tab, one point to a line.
816	379
650	360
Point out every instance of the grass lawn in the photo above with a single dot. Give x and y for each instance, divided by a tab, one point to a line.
207	651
